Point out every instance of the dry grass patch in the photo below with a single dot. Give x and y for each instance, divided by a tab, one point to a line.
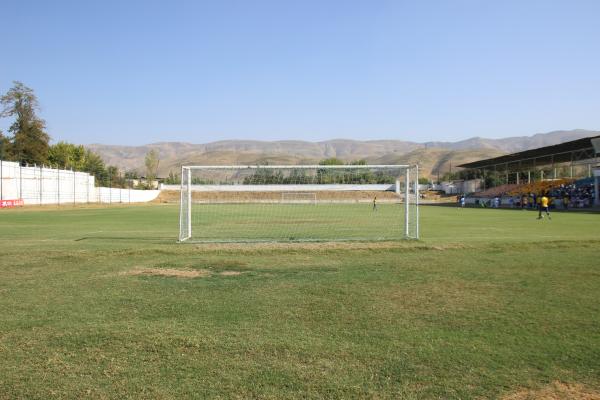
451	297
324	246
179	273
556	391
230	273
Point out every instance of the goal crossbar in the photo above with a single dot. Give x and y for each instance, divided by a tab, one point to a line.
200	167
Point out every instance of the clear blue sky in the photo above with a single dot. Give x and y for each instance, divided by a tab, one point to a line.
134	72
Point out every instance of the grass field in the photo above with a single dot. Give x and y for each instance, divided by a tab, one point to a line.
489	303
297	222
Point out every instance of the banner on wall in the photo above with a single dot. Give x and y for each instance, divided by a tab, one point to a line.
11	203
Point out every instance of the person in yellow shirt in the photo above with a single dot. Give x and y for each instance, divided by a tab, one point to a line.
544	207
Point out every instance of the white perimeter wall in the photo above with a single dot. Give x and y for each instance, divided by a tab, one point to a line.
36	185
283	188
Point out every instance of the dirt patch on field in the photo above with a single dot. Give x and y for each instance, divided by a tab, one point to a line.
556	391
230	273
179	273
324	246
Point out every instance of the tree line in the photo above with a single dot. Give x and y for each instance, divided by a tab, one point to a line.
28	143
322	175
299	176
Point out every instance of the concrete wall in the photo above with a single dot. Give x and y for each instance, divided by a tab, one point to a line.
37	186
116	195
459	186
283	188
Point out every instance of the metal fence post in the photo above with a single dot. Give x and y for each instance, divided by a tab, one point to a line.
41	183
417	201
406	201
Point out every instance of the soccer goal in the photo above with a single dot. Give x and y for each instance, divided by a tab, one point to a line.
299	197
275	203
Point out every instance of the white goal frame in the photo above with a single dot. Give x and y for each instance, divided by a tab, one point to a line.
297	197
410	190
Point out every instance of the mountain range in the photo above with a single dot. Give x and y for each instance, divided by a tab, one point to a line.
433	157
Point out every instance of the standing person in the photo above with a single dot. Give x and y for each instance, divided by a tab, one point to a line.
375	203
544	206
523	202
566	202
462	201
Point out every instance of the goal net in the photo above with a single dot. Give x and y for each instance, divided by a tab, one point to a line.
299	197
299	203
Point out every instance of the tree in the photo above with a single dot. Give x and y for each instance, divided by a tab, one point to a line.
115	177
172	179
151	161
131	174
331	161
4	147
29	142
67	155
95	165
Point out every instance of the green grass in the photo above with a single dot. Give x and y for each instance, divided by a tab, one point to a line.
297	222
489	301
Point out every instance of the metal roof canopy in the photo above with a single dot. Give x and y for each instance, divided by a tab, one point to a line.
576	150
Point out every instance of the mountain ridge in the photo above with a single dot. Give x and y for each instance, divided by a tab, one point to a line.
434	156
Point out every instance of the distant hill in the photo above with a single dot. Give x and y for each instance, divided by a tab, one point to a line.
436	160
517	143
432	156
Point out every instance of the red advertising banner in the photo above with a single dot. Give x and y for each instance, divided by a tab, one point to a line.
11	203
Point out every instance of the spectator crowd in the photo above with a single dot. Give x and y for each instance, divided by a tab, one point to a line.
563	194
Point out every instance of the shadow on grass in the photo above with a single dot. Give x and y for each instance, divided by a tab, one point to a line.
148	239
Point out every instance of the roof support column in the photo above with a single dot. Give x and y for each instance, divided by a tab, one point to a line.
596	189
571	172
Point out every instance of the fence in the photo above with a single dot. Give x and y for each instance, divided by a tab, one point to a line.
39	185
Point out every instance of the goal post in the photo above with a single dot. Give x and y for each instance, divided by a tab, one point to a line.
282	203
299	197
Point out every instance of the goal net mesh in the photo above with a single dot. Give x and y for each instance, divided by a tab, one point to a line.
298	203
